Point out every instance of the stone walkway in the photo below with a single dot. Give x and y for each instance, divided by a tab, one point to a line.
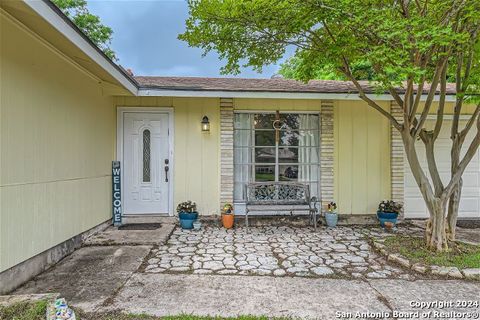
279	251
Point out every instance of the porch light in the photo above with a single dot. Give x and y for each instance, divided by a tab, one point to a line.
205	124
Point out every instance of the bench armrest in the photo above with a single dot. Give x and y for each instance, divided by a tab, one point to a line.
314	201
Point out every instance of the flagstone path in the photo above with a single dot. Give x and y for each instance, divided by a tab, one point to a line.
278	251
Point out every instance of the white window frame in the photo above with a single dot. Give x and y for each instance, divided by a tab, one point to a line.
277	163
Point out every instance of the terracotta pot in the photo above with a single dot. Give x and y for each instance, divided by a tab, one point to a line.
227	220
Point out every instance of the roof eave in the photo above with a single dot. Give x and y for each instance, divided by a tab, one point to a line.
55	17
158	92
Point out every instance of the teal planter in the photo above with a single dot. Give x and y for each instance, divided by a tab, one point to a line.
187	219
332	219
387	217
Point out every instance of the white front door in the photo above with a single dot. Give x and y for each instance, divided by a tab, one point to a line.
146	153
470	201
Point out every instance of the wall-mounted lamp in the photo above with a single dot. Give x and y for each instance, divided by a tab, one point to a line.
205	124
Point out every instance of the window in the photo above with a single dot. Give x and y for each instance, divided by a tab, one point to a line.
276	147
146	155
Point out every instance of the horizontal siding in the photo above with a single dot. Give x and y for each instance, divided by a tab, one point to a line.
57	134
196	154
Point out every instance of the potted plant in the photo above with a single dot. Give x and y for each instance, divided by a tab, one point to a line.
227	216
187	214
331	216
388	211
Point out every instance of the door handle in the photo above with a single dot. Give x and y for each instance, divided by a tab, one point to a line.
166	170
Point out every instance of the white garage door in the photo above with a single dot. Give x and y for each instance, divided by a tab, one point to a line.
470	201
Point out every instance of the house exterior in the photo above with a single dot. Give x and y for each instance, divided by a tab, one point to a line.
67	112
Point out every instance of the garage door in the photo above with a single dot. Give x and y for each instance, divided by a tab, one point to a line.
470	202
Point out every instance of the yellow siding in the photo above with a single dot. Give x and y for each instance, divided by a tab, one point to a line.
196	154
57	135
277	104
362	157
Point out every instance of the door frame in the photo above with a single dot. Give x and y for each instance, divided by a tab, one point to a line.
121	111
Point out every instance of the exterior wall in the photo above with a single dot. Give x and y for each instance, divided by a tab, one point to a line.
57	144
399	165
196	155
362	157
277	104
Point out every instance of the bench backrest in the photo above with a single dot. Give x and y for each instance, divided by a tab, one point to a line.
278	193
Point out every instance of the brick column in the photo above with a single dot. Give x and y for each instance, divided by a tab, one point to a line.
226	151
326	152
397	157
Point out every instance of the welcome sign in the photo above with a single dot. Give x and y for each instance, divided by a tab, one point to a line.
116	194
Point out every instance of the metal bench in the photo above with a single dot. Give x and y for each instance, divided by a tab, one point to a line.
280	196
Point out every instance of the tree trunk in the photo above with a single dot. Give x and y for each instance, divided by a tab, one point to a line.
435	231
452	215
454	200
436	235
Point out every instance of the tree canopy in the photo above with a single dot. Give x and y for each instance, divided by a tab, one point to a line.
414	47
89	23
292	69
399	39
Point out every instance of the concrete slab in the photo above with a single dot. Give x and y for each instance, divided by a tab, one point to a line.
161	295
90	275
406	295
9	300
114	236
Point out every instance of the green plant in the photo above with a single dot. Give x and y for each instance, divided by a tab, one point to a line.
390	206
90	24
228	208
187	206
332	207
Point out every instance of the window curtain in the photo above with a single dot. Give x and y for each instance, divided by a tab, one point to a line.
308	150
243	153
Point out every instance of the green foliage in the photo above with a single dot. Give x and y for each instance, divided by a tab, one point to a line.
460	255
24	311
397	39
291	69
89	23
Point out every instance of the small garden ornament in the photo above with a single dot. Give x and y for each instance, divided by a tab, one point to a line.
187	214
227	216
331	216
388	211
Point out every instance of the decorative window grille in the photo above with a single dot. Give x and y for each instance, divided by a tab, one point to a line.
146	155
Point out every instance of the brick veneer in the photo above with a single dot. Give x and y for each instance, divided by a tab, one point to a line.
327	146
226	151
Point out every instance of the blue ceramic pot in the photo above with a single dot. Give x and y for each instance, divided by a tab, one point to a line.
387	217
331	219
187	219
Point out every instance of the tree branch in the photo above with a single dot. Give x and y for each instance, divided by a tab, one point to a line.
418	96
365	98
471	121
471	152
428	139
441	105
431	94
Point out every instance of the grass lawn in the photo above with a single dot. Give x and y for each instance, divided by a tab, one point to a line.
24	311
37	311
460	255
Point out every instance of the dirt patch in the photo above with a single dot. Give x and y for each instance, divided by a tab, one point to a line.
140	226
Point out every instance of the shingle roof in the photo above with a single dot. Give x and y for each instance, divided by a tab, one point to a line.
257	85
